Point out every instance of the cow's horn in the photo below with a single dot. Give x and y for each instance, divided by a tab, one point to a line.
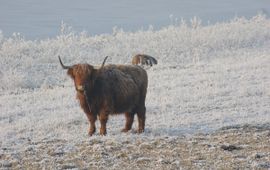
104	61
64	67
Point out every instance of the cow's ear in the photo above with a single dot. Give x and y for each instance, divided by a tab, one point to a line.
70	72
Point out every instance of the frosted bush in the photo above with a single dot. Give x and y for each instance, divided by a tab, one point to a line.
12	80
180	43
1	38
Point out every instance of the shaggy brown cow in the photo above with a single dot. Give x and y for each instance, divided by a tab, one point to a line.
108	90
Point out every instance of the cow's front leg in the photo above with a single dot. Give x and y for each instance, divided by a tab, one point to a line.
90	116
103	118
92	119
92	126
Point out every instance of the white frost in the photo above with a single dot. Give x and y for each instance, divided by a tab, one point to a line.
207	77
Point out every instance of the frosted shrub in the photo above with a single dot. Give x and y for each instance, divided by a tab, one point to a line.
1	38
12	80
195	23
180	43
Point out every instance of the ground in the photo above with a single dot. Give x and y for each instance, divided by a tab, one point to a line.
235	147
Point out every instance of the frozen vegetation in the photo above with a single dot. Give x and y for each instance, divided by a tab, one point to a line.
208	77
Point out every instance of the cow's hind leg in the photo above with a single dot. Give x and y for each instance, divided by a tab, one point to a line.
141	119
103	118
129	121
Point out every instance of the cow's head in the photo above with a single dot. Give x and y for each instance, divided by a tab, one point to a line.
82	74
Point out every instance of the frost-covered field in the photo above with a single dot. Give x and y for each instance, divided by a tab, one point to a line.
208	77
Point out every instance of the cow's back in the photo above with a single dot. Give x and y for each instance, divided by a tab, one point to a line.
122	84
138	76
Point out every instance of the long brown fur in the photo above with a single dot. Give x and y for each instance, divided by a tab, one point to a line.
109	90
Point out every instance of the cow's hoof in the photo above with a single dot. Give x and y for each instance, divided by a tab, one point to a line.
102	132
140	130
91	132
125	130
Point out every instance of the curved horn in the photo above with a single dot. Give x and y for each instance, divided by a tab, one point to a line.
63	66
104	61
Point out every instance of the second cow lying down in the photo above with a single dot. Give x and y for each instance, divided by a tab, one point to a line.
143	59
108	90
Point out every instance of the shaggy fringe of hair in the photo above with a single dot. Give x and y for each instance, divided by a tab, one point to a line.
83	69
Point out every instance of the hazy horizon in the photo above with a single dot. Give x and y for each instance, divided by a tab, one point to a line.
35	19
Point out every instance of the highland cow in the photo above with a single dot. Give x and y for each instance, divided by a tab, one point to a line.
108	90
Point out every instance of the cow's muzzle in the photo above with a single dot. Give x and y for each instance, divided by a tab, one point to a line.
80	88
